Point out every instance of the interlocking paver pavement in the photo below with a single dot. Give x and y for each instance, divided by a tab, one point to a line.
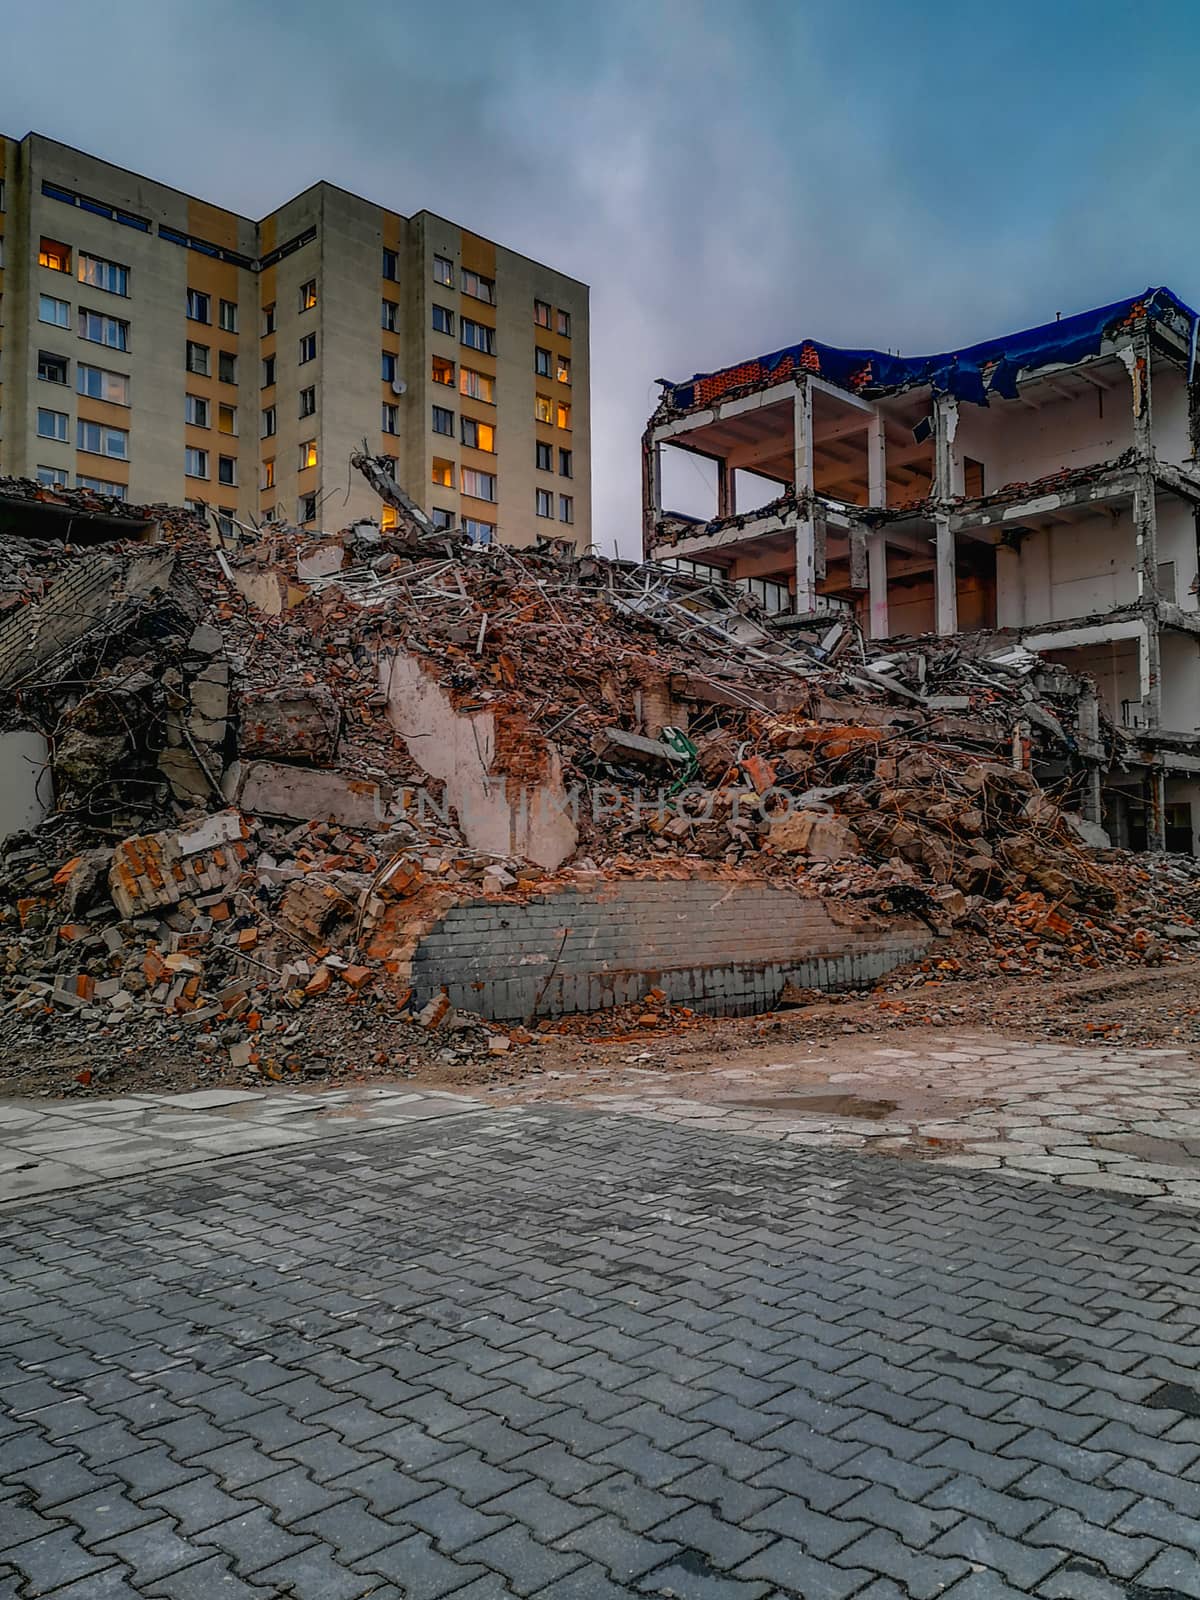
559	1354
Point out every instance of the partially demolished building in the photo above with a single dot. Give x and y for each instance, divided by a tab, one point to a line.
1041	488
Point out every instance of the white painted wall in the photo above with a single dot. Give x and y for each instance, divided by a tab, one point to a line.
1113	666
26	792
1180	673
1067	571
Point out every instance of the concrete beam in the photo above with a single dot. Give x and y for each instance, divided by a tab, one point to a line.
1110	489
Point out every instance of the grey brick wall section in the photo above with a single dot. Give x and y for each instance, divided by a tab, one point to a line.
718	946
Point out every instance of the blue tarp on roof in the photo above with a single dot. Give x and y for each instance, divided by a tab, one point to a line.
970	374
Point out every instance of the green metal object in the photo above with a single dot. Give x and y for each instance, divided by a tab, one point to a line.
688	754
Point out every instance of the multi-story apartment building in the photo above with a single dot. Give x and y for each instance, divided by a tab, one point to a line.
162	349
1044	485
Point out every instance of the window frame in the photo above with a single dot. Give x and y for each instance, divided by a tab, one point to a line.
62	417
307	295
389	266
488	399
389	418
467	325
230	482
485	479
114	267
451	366
389	315
199	300
118	324
481	284
307	394
105	432
227	316
57	258
543	503
308	455
444	414
542	449
446	325
446	282
57	321
205	369
543	361
538	307
308	349
104	373
47	358
193	455
194	406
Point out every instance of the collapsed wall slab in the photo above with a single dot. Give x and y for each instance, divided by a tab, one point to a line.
720	946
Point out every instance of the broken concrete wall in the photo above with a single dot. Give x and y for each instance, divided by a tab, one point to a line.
302	794
717	945
291	724
26	790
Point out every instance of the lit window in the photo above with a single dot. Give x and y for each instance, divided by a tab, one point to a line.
477	385
443	270
443	320
114	491
389	519
52	369
564	324
545	503
564	369
99	329
101	385
228	316
390	315
308	295
441	518
566	463
268	323
443	371
195	463
308	348
226	366
268	371
389	420
197	359
53	477
195	410
52	424
227	419
391	265
268	481
55	255
541	313
387	367
566	508
479	288
541	361
443	420
227	469
308	401
198	306
98	273
543	408
479	532
55	312
563	417
477	336
479	435
308	454
479	485
443	473
268	422
543	457
306	509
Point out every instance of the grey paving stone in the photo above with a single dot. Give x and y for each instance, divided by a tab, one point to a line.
1177	1570
153	1550
624	1554
787	1565
526	1565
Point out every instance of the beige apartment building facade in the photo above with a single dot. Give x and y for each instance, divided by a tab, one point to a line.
161	349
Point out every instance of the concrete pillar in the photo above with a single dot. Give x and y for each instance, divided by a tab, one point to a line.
726	493
1156	810
944	576
651	490
947	482
877	583
806	541
1136	357
876	461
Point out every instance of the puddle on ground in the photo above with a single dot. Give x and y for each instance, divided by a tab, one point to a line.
830	1105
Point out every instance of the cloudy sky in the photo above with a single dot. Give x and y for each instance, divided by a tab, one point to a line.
728	175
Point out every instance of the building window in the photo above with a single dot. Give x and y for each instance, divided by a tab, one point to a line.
389	420
114	491
543	408
443	371
268	477
52	424
541	313
99	329
306	509
53	477
541	361
229	316
479	288
195	463
544	503
477	385
443	270
268	422
773	597
227	420
479	435
563	417
197	359
99	440
476	336
226	366
566	463
268	371
199	306
98	273
226	469
308	348
564	369
564	324
225	517
56	312
390	315
99	384
195	410
55	255
441	518
268	322
52	369
443	420
308	295
308	454
543	457
479	485
443	473
443	320
387	367
391	265
566	508
479	532
308	401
